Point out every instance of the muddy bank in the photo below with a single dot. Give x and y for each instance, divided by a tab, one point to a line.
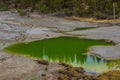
14	67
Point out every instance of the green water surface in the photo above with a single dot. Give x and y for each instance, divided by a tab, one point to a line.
66	49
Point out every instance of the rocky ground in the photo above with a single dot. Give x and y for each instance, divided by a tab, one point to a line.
14	28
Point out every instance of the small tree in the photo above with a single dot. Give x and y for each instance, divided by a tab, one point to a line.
114	11
114	8
44	9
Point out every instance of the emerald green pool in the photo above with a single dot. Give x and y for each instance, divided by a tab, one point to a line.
65	49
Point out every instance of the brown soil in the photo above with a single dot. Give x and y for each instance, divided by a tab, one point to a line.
78	73
112	21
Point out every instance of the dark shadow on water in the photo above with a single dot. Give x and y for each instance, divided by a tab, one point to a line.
84	28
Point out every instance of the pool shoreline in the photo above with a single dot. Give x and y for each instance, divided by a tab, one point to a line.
74	60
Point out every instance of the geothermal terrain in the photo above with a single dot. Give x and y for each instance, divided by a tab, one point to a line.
14	29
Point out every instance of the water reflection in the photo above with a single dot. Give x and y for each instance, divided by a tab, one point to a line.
89	62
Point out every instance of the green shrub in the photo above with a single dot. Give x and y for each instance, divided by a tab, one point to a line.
3	8
84	13
99	15
76	11
22	12
118	14
67	12
44	9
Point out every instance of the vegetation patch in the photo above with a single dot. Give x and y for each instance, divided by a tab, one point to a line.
74	73
22	12
78	73
81	8
3	8
111	75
